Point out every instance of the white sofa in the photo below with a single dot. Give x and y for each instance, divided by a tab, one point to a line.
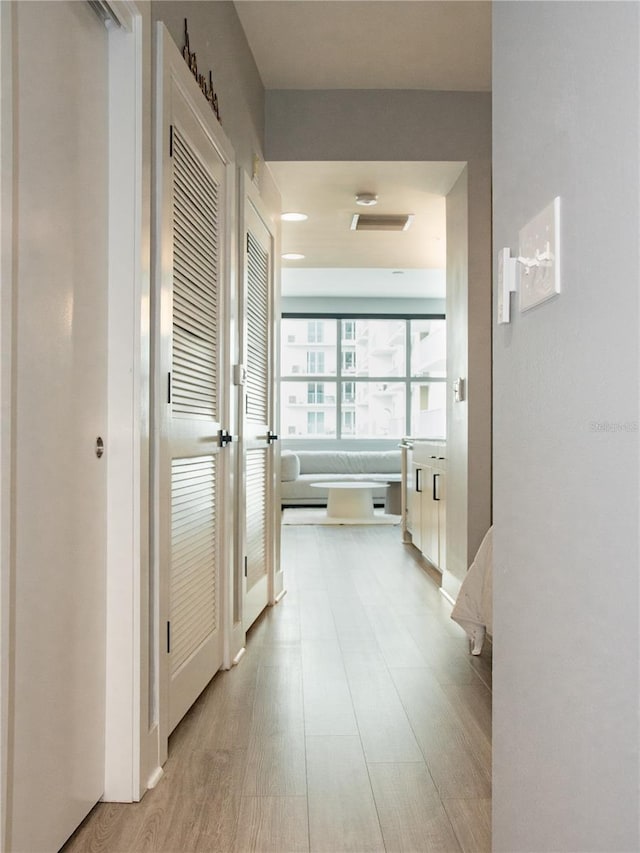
300	468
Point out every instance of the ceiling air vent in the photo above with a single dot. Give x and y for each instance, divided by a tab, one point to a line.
380	222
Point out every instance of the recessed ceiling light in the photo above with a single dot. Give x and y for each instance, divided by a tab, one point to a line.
398	272
292	256
294	217
366	199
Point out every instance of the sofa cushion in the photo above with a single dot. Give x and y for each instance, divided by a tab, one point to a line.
289	466
349	461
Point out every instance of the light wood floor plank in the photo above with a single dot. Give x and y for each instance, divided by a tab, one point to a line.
457	762
412	816
316	616
276	766
395	641
225	718
472	705
384	728
105	829
278	706
342	812
204	816
278	625
471	820
352	624
359	661
272	825
328	709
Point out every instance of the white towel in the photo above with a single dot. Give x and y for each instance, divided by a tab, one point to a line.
473	609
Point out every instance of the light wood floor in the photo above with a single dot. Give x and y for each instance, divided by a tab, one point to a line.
357	721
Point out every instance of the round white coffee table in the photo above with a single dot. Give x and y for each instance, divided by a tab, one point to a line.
393	498
349	500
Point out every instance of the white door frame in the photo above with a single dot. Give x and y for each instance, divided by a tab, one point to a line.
250	199
130	753
170	65
7	288
131	737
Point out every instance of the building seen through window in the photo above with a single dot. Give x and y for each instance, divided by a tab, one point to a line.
363	378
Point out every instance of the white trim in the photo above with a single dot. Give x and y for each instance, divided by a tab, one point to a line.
128	404
172	75
279	597
447	597
239	656
155	777
7	569
252	207
126	13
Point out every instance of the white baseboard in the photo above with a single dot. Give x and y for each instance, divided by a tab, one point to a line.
446	595
155	777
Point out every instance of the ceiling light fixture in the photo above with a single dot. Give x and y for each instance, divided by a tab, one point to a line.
292	256
294	217
366	199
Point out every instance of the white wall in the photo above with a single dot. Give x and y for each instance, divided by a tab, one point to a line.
457	365
358	305
220	44
437	126
372	124
566	89
468	358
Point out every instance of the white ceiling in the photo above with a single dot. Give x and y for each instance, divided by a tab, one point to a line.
364	44
370	44
370	283
326	193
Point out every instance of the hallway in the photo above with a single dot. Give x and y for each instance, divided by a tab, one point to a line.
356	721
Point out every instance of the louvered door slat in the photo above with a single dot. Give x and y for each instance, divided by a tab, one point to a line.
194	207
204	256
256	515
197	230
190	347
188	295
195	285
186	162
191	295
193	513
257	331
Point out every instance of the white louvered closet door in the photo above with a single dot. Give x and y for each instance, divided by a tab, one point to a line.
193	481
258	427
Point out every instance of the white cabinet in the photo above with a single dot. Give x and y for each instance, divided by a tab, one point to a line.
426	505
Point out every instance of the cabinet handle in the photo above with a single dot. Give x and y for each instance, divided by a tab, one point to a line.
418	480
435	496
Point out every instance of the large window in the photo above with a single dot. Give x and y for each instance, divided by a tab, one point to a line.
363	378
